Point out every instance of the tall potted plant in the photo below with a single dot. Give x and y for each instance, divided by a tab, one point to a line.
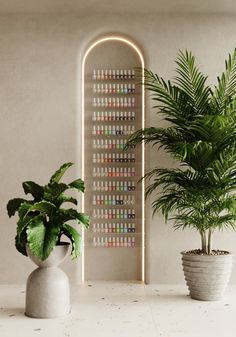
41	226
199	192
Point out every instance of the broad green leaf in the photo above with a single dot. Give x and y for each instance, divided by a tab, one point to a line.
72	214
53	190
84	219
22	224
75	239
78	184
21	244
41	220
34	189
59	173
13	205
41	239
23	209
66	198
43	207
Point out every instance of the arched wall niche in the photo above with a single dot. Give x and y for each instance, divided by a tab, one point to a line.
112	108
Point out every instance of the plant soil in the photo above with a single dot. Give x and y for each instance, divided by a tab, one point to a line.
213	252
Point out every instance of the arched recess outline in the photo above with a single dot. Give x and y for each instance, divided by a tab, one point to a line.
140	55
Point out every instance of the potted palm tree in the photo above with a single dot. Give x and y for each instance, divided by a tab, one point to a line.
41	227
199	192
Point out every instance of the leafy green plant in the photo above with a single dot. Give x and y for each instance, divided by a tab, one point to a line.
43	221
199	192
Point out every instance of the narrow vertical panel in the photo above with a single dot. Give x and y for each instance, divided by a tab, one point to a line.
113	105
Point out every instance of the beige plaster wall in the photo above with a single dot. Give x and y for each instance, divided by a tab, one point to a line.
40	73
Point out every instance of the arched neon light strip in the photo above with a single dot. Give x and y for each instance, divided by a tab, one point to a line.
132	45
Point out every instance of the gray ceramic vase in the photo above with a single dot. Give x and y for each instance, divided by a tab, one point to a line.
47	290
207	276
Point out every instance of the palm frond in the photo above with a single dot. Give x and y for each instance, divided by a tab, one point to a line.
201	135
193	82
172	101
226	88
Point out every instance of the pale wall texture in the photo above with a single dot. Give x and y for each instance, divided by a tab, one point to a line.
40	74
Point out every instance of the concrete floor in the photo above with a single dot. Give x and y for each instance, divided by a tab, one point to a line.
123	310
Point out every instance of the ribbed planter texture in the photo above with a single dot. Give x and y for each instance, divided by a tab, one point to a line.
207	276
47	290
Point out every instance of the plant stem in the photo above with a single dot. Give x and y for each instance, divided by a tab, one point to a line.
209	245
204	241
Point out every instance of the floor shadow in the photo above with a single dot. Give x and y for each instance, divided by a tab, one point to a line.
169	297
11	312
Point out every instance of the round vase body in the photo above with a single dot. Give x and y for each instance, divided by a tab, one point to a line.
47	290
207	276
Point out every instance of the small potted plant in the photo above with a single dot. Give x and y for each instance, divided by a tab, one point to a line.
199	191
41	226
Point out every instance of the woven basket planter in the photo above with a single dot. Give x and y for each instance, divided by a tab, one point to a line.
207	276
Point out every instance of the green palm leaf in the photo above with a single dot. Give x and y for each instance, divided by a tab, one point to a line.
193	82
201	136
171	100
226	88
